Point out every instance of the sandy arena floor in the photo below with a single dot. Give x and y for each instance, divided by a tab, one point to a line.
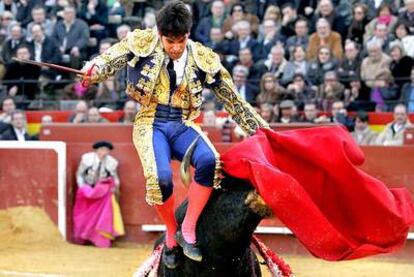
30	245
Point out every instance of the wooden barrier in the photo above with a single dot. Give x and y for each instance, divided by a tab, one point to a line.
392	165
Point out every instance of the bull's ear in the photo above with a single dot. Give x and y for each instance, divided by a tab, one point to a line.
186	162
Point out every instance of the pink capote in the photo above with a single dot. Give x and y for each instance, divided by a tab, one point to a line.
310	180
93	214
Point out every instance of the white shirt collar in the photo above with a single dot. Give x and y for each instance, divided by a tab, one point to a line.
179	66
20	134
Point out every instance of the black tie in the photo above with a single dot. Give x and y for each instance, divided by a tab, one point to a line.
173	76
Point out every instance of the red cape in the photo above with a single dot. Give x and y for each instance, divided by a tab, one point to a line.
309	178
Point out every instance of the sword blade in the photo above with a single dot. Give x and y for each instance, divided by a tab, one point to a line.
51	65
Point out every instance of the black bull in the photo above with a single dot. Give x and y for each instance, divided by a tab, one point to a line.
224	231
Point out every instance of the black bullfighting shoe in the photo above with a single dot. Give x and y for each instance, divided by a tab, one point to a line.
170	257
189	249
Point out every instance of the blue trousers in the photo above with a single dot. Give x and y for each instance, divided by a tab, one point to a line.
171	140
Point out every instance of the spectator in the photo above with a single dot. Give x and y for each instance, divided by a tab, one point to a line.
362	134
18	128
336	21
400	65
288	20
273	12
402	35
287	112
259	8
80	113
44	49
95	14
301	36
7	20
10	46
94	116
351	64
7	107
149	20
238	13
96	209
297	64
266	112
130	110
384	17
330	91
16	72
274	64
383	94
375	63
325	62
72	35
393	134
8	6
215	20
39	17
300	91
407	93
359	21
24	11
325	37
247	91
122	31
310	113
270	91
244	40
216	38
246	59
381	35
357	96
269	37
339	115
408	15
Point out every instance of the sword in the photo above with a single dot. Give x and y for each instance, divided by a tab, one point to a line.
85	75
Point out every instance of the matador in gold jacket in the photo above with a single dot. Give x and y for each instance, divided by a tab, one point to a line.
166	75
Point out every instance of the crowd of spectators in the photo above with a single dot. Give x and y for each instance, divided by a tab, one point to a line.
291	59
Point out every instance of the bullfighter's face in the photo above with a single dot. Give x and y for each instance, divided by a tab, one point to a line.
174	46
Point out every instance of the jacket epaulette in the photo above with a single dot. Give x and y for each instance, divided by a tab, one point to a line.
205	58
142	42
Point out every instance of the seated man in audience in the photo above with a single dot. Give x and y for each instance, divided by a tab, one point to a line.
94	116
339	115
310	113
7	107
17	131
130	110
287	112
22	76
393	134
324	36
362	134
80	113
96	214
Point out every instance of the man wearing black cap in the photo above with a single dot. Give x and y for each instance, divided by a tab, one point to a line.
98	165
96	214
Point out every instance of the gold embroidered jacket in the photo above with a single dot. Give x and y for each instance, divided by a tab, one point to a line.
148	81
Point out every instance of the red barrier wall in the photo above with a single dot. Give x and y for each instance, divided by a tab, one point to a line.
28	177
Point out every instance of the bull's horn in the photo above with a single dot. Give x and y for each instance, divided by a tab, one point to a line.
185	163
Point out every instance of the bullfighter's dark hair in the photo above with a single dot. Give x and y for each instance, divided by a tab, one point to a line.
174	19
